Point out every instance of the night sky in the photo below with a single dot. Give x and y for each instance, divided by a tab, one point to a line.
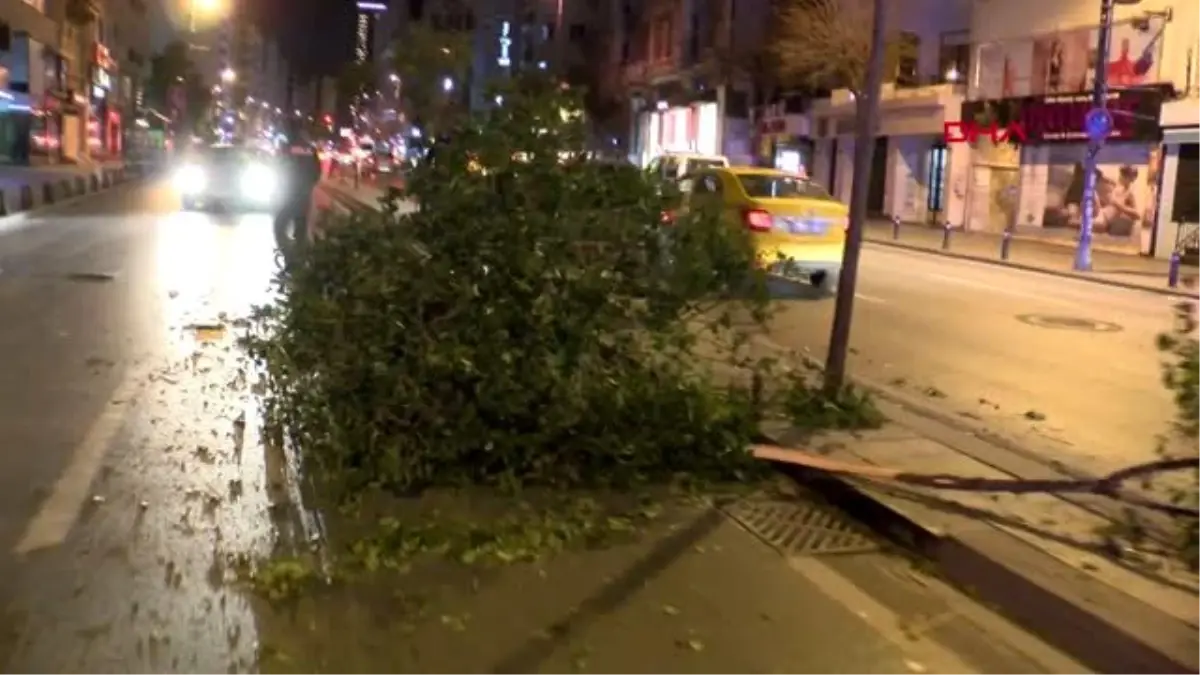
316	36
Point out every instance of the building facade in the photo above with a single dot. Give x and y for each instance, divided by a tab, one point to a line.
47	67
912	174
682	65
1033	67
126	37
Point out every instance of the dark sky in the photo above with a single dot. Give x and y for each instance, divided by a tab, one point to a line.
316	35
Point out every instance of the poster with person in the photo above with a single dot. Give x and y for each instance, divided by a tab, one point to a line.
1124	191
1004	70
1062	62
1135	55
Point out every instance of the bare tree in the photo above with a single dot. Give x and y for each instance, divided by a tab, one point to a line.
823	44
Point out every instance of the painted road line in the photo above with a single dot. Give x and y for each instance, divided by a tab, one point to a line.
870	298
60	511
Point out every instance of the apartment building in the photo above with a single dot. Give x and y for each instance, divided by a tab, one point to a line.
57	82
125	31
682	64
1033	68
506	36
924	87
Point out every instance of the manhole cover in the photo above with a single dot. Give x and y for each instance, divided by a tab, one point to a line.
1069	323
800	528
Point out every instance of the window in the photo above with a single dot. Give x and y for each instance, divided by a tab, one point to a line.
767	186
661	39
1185	206
907	59
707	184
954	63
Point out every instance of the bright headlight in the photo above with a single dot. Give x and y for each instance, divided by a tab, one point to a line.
259	181
190	179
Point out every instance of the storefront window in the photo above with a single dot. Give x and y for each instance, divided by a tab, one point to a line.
45	140
1186	202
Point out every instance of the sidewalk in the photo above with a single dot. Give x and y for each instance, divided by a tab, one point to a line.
695	590
1132	271
1031	539
23	188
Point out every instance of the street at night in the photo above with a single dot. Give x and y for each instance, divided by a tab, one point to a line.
987	342
608	336
134	479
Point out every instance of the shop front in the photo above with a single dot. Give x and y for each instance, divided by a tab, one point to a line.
692	127
1033	185
914	175
782	140
1178	226
104	121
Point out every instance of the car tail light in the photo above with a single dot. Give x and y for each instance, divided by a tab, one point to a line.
757	220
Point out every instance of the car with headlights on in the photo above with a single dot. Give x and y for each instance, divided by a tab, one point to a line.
228	176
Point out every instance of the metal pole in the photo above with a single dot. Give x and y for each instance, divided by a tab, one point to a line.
1083	253
864	148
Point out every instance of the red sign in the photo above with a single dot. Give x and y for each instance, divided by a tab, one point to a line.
102	58
970	132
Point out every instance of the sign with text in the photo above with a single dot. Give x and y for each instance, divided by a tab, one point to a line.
970	132
1062	118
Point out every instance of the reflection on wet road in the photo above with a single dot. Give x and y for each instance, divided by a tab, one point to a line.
129	479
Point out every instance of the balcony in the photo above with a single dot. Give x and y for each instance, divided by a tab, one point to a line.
82	12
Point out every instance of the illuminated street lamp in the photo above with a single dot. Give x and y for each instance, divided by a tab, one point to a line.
228	75
204	8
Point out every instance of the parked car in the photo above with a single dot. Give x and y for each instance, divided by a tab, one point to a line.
675	165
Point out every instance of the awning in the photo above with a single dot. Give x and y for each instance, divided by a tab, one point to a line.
1179	135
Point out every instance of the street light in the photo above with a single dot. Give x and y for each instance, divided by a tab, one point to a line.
228	75
1099	124
207	7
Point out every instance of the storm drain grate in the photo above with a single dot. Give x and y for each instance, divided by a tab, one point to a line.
800	528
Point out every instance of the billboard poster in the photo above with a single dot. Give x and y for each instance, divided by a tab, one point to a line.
1065	61
1126	185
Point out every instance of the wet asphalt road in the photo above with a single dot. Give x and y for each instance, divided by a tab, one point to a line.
993	343
100	301
130	480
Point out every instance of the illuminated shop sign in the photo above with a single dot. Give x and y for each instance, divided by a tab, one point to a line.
505	44
1062	118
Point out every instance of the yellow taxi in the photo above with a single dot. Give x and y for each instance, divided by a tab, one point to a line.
798	228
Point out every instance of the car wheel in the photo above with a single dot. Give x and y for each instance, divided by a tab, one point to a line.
827	282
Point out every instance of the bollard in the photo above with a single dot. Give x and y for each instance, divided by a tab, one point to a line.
895	227
946	236
1005	244
1173	270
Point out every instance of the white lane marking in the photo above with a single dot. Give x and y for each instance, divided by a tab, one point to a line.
61	509
870	298
924	653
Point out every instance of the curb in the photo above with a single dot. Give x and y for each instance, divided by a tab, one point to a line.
1031	268
1091	621
33	196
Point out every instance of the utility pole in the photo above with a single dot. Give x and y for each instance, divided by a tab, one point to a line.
1083	251
1099	123
867	110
